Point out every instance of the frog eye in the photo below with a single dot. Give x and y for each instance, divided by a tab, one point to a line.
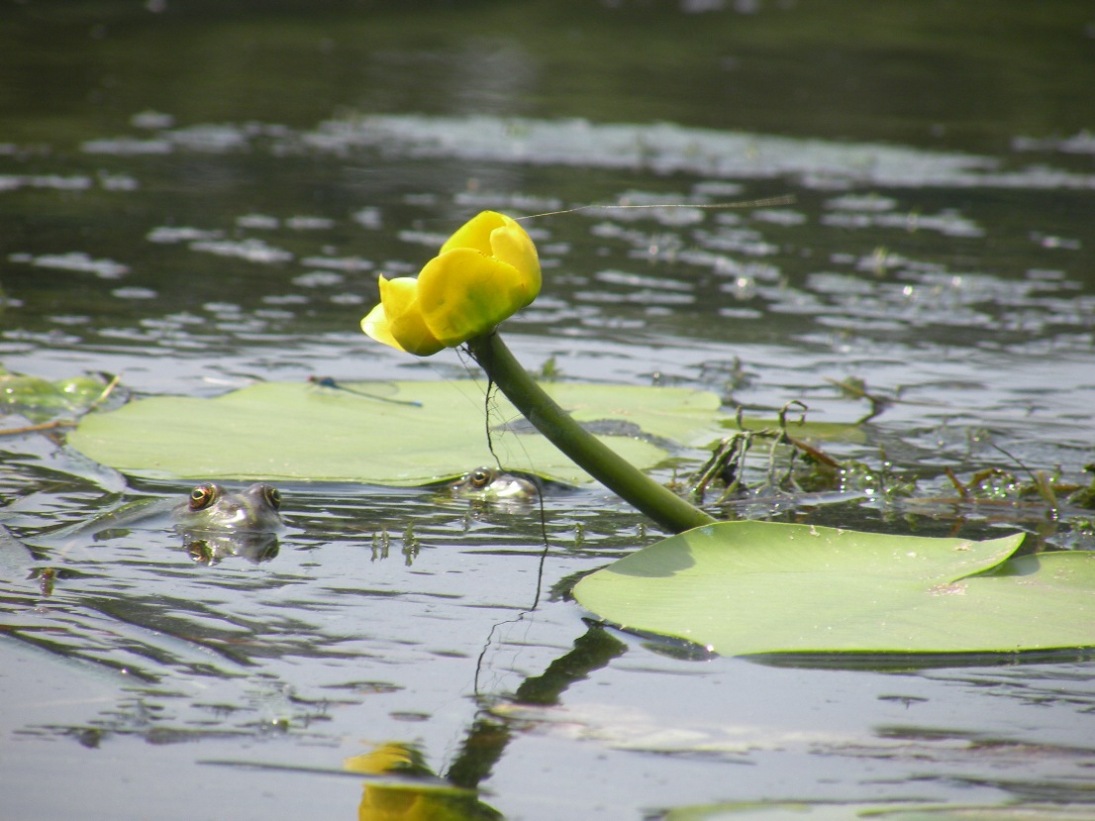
272	496
480	477
203	496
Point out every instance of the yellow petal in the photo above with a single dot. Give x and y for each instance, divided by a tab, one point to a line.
502	237
397	321
512	244
463	293
476	233
414	336
487	270
375	324
397	295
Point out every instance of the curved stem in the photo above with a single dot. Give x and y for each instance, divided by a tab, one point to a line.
659	503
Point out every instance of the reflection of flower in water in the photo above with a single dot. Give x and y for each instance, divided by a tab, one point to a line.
402	799
483	274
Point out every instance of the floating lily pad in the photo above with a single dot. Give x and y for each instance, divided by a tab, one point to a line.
742	588
359	433
889	811
37	399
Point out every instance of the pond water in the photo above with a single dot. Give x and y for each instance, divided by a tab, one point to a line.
196	199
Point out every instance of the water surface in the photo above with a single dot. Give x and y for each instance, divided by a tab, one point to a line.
196	199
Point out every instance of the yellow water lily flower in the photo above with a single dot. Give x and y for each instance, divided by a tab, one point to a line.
486	271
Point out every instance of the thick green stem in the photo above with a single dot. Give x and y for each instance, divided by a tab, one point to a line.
659	503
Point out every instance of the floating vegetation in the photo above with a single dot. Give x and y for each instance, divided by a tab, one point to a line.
60	400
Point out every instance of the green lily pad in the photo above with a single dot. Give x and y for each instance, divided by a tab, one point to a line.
38	399
360	433
684	416
744	588
889	811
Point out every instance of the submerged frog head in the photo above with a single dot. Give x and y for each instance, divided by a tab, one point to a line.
212	508
491	485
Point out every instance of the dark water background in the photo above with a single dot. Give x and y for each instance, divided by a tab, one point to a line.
199	195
